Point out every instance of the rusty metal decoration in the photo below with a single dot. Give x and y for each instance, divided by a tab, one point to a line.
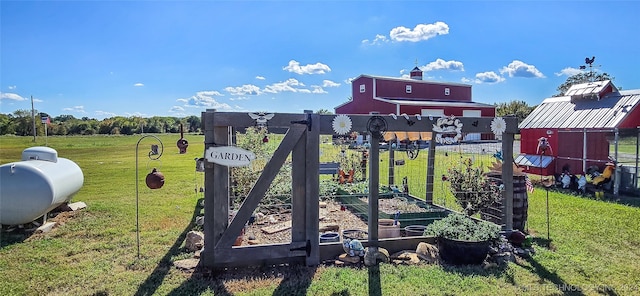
154	180
182	143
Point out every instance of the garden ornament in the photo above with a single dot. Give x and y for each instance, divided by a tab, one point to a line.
543	146
353	247
182	143
155	179
261	118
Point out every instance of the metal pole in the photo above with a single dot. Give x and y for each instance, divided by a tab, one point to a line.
46	142
151	156
33	117
616	178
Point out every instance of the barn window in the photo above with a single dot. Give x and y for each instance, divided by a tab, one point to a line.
362	88
447	91
408	88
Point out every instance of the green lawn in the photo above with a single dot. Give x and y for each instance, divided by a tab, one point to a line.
594	243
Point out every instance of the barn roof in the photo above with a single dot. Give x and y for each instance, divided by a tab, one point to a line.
560	112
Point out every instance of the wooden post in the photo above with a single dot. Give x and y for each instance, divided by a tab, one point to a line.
507	180
216	181
374	186
312	193
431	160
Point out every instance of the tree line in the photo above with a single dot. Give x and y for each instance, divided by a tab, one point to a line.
20	123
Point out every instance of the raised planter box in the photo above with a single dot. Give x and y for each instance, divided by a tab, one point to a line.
430	214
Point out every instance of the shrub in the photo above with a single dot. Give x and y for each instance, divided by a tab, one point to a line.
462	227
470	186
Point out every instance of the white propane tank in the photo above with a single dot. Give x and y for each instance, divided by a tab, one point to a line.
36	185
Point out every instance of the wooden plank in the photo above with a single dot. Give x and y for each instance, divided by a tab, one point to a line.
258	254
261	186
507	179
359	122
312	193
216	204
276	228
298	190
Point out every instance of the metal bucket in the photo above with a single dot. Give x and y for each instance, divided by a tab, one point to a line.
329	237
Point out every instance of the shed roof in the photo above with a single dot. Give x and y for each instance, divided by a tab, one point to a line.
559	112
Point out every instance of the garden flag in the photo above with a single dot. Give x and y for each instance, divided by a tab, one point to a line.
527	183
45	120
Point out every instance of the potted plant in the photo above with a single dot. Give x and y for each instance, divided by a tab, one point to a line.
463	240
471	187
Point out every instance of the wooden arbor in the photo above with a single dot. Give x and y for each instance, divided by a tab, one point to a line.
302	141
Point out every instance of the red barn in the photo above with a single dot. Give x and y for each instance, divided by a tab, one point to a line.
579	127
386	95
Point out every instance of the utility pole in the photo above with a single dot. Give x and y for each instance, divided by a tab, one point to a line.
33	117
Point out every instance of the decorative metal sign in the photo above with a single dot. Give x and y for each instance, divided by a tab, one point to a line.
229	156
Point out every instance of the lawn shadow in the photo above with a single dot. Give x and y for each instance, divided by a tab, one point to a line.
13	236
375	287
155	279
545	274
293	279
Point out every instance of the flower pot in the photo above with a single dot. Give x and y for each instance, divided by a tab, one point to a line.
414	230
458	252
354	234
329	237
387	228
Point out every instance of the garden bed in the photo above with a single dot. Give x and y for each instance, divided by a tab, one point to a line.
413	211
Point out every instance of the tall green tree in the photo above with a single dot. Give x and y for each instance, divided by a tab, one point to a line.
518	108
583	77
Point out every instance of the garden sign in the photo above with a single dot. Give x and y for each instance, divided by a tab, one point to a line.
230	156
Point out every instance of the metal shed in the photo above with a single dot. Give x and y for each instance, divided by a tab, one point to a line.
580	129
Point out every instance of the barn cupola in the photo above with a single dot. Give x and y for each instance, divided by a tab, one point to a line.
416	73
595	90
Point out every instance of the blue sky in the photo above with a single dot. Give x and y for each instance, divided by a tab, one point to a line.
178	58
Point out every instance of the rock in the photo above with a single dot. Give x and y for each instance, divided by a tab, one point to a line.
517	238
323	204
428	252
197	254
194	240
186	264
338	263
349	259
329	227
251	237
503	258
253	242
373	256
488	265
406	257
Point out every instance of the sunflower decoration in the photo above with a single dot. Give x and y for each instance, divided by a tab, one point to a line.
341	124
498	126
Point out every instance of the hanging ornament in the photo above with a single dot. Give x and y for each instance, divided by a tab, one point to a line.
155	179
265	139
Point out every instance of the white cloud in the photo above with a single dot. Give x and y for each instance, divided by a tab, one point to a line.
11	96
260	78
105	114
288	85
466	80
569	71
405	76
77	109
176	109
349	80
209	93
239	99
204	99
378	40
135	114
419	33
441	64
329	83
138	84
317	68
318	90
247	89
12	87
520	69
488	77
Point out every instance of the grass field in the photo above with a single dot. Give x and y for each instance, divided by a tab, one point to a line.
594	243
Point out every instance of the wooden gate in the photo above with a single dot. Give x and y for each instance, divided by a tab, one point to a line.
302	140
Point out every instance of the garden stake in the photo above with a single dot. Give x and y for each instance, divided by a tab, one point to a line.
154	154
